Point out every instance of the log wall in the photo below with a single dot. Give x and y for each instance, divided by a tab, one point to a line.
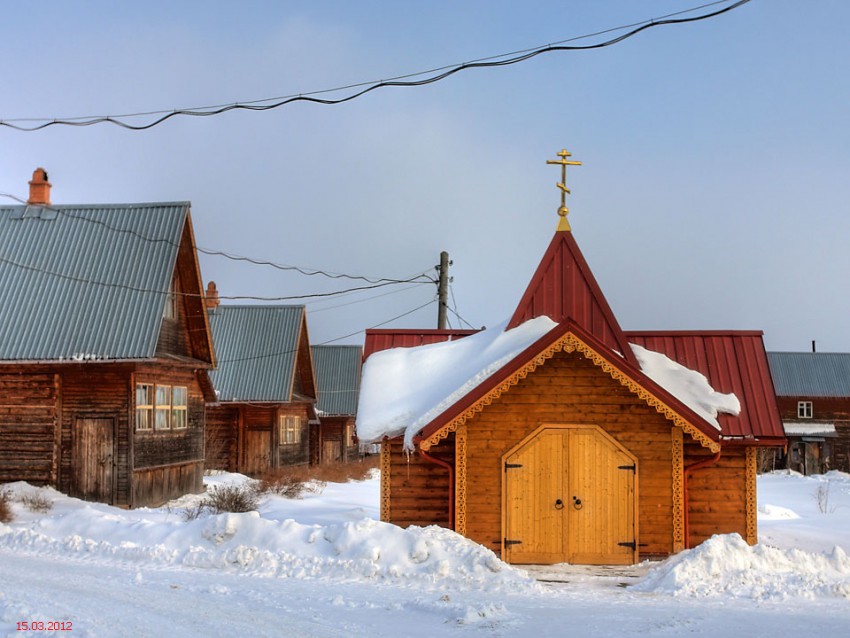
419	489
717	494
29	414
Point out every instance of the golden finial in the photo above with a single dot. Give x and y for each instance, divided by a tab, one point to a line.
563	211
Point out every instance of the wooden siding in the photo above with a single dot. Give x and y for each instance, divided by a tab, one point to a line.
717	494
96	392
835	410
567	389
221	440
155	486
247	436
332	439
29	408
419	489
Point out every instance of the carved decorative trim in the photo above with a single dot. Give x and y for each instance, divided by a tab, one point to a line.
460	480
385	481
752	515
678	490
570	343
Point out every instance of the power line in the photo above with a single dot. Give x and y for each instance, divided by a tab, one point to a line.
365	299
454	311
324	343
107	284
259	262
504	59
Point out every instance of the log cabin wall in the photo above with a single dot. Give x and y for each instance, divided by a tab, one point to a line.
835	410
168	463
93	391
419	489
221	441
336	432
29	417
717	494
296	453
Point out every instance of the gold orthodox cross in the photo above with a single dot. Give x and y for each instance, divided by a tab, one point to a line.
563	211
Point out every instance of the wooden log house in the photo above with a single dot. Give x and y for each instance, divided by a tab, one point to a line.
338	380
813	392
569	451
104	349
265	388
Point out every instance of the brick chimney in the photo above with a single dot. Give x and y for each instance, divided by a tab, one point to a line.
211	296
39	188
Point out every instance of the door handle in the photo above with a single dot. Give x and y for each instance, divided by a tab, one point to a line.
577	503
559	504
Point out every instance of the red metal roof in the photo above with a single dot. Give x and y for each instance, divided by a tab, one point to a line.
732	361
377	340
563	287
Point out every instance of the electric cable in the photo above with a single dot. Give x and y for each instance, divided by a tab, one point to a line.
398	81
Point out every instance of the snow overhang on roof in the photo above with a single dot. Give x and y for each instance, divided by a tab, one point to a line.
795	428
408	390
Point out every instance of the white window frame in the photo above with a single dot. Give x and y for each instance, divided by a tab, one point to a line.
144	411
179	411
290	429
804	410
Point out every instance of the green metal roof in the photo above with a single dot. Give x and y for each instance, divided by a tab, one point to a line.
85	282
810	374
256	348
337	378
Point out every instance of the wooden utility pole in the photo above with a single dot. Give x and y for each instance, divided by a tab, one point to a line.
443	291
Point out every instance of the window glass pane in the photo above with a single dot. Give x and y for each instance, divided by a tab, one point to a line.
178	419
179	397
163	396
162	418
144	394
143	419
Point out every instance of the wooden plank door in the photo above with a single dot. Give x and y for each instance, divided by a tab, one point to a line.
331	451
570	496
601	505
93	459
534	483
257	452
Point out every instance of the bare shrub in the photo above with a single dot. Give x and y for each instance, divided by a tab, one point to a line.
822	498
233	498
37	502
224	498
290	482
5	506
295	482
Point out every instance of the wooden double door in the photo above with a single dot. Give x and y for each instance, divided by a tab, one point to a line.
569	496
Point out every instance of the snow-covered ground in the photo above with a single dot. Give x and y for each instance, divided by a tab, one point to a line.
324	566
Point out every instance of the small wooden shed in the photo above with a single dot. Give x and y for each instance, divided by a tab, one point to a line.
104	349
338	381
265	389
568	450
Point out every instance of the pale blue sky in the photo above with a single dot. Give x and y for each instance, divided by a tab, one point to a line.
715	154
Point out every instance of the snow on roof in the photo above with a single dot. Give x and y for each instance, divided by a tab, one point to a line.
689	386
795	428
403	389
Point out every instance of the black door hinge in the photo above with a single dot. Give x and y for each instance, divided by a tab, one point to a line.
508	543
633	468
512	466
632	546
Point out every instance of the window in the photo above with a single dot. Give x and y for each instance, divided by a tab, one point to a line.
290	429
163	407
170	309
804	409
178	408
144	406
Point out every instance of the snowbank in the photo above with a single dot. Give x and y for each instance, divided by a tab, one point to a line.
252	543
727	566
689	386
403	389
